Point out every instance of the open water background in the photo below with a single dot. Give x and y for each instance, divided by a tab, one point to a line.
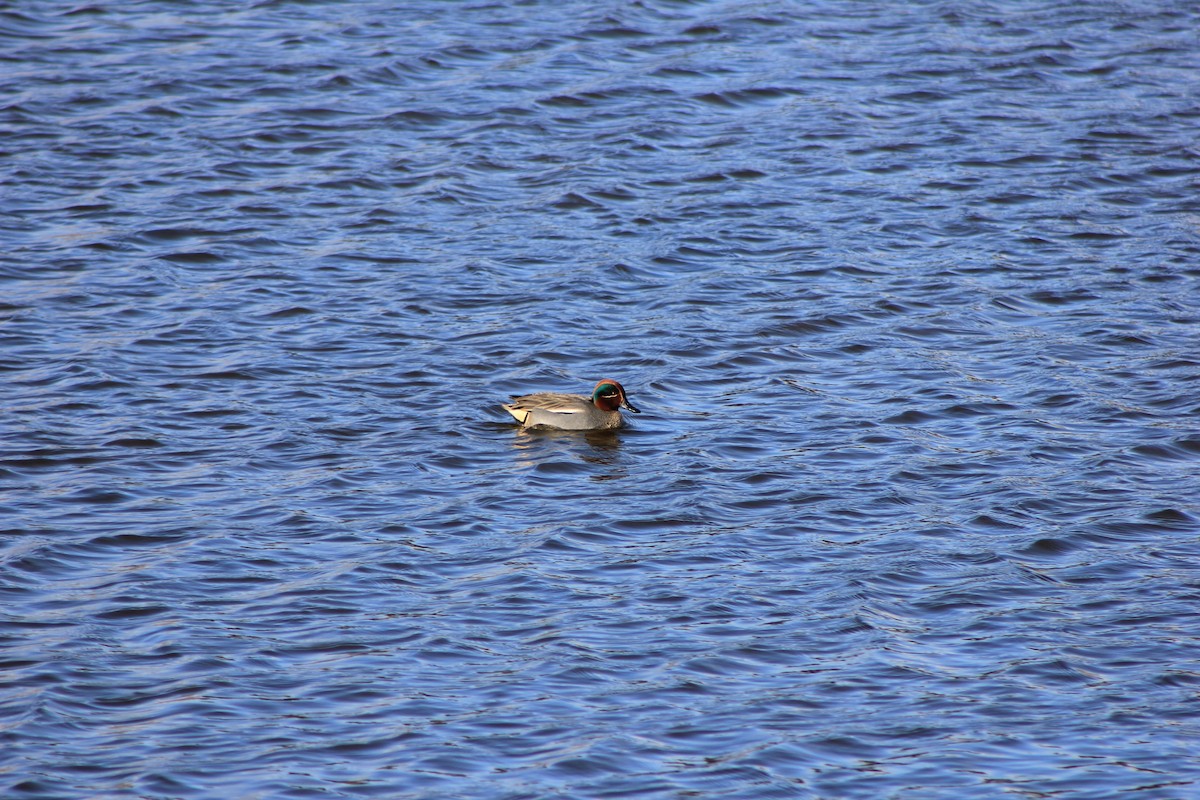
909	295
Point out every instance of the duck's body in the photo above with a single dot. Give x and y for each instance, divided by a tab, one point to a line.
572	412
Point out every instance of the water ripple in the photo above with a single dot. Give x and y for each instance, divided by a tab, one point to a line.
907	297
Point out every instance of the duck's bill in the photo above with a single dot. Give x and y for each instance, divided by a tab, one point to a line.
631	407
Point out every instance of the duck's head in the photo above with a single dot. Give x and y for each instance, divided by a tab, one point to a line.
610	395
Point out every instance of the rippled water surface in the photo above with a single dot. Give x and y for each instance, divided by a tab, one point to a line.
908	294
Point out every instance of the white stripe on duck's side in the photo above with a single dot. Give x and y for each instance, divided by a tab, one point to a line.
572	412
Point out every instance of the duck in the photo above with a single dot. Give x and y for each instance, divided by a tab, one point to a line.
572	412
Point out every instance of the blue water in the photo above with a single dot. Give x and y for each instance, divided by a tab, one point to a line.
908	294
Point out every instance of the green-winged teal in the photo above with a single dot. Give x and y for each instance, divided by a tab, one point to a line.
573	412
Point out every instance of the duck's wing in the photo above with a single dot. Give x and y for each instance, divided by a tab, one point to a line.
548	408
552	402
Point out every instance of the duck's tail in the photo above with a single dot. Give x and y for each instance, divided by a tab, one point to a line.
519	414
